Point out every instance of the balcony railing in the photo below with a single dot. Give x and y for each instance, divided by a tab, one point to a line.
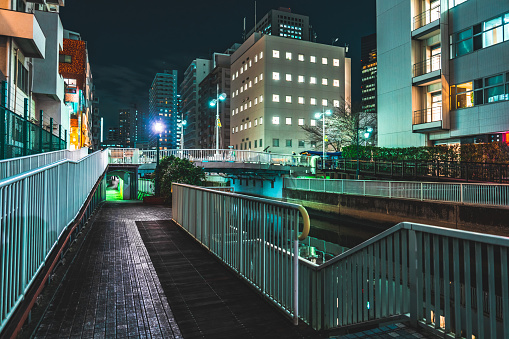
427	115
429	65
426	17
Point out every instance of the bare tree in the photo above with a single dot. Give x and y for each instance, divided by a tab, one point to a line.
342	128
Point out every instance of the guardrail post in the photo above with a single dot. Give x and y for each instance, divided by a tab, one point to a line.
295	279
461	193
412	275
25	128
41	116
422	192
390	188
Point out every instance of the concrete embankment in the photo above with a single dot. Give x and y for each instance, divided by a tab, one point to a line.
485	219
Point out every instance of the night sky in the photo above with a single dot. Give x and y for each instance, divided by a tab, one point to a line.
130	41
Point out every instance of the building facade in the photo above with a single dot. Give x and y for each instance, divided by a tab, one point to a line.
278	85
190	96
368	73
163	108
443	71
282	22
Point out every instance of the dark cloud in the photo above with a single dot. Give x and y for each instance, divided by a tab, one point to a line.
129	41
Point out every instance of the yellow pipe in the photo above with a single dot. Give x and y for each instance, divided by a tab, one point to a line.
305	217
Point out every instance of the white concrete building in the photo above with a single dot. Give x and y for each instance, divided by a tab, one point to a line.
278	85
443	71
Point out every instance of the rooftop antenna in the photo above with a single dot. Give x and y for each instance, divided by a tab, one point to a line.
255	19
244	33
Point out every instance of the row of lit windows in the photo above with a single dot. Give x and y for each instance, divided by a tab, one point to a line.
247	105
368	98
302	79
368	78
247	125
369	70
481	91
246	65
368	90
301	57
275	121
247	85
275	143
301	100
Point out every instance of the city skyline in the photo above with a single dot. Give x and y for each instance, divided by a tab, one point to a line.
126	78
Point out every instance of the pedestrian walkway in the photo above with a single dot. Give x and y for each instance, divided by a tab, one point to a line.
389	332
112	289
169	287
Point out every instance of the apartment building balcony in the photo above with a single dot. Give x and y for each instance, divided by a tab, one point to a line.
426	23
25	28
427	71
428	120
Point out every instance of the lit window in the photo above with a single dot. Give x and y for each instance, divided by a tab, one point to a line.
237	111
250	84
256	58
256	101
233	112
301	100
233	130
245	87
324	81
241	108
245	125
237	74
249	103
336	103
261	55
275	97
301	78
261	77
324	102
275	120
241	70
312	80
261	120
249	124
288	56
250	63
301	122
324	61
275	142
245	106
242	89
301	57
237	129
237	92
312	58
275	75
335	82
233	95
288	77
335	62
256	80
289	99
313	122
256	122
241	127
261	98
312	101
275	53
233	77
288	121
245	67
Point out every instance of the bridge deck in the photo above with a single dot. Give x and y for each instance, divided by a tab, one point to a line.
160	284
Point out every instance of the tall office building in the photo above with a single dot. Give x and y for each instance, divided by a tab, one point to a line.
282	22
190	95
278	85
368	73
443	71
163	108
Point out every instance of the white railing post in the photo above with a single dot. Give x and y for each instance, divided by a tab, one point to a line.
295	280
461	193
422	192
412	275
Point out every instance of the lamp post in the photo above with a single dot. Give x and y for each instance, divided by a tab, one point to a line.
367	132
158	127
182	125
322	115
215	103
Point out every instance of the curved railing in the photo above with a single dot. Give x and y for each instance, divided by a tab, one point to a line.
36	208
258	238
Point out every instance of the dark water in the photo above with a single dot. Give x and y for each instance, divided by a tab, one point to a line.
343	230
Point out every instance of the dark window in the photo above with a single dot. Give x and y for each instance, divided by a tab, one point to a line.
288	142
275	142
301	143
261	145
64	59
256	141
22	77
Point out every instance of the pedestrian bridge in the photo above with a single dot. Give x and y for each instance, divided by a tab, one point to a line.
448	281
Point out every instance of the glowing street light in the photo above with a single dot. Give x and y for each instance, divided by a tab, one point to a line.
319	116
159	128
182	125
215	103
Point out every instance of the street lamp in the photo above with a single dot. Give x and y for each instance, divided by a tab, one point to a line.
182	125
367	132
215	103
158	127
322	115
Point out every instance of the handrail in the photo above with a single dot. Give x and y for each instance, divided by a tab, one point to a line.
426	17
426	115
434	63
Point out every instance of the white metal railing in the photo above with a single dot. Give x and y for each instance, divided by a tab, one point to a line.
35	209
146	186
402	271
478	194
256	237
137	156
14	166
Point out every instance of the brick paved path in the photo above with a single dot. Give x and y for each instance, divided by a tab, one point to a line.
112	289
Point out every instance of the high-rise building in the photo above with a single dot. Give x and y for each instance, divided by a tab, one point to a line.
278	85
190	95
443	71
368	73
124	128
163	108
282	22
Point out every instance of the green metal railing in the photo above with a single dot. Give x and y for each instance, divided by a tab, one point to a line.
20	137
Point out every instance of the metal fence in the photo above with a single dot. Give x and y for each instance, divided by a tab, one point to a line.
478	194
146	186
14	166
137	156
36	207
257	238
21	137
426	17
